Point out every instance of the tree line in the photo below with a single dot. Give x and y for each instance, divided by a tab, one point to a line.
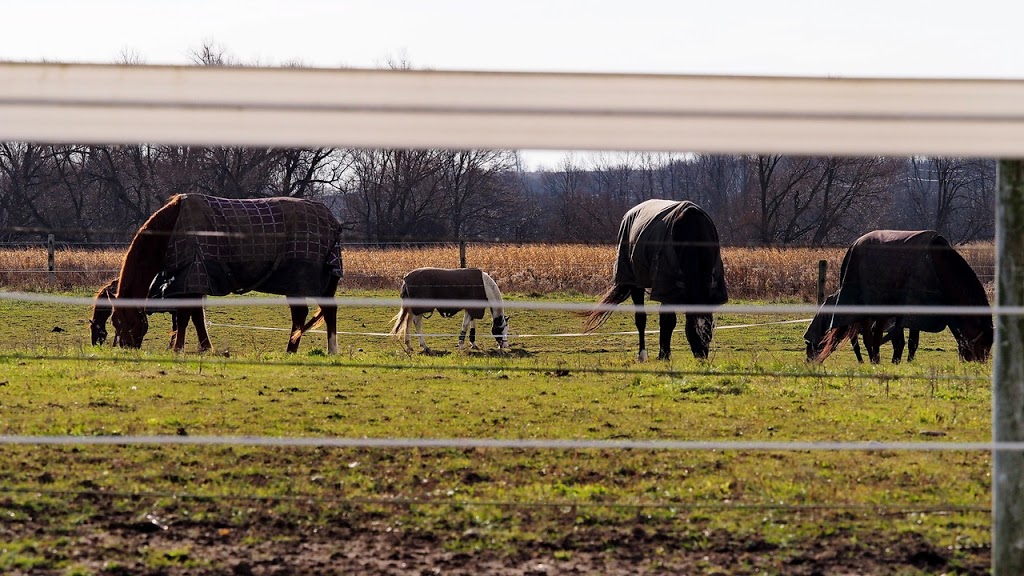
99	193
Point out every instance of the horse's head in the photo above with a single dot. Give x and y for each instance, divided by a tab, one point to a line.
703	327
98	328
974	337
500	331
101	313
130	327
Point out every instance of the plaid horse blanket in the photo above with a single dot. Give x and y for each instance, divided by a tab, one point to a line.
687	271
221	246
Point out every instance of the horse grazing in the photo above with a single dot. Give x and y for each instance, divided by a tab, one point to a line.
103	307
893	329
672	249
466	284
207	246
903	268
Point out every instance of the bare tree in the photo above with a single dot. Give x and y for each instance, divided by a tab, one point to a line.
477	189
25	178
395	194
953	196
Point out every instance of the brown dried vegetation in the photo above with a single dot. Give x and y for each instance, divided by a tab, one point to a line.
752	273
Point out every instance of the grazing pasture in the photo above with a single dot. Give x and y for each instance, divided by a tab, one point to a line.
214	509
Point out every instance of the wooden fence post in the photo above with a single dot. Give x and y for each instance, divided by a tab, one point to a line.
1008	375
50	267
822	272
462	253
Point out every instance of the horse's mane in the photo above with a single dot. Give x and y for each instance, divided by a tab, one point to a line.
107	291
834	337
101	300
491	287
146	251
963	288
962	284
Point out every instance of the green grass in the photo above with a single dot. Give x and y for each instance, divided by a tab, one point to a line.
756	387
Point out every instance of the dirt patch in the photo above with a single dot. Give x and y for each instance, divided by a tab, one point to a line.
268	547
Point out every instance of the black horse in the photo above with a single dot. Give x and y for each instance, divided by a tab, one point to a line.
672	249
903	268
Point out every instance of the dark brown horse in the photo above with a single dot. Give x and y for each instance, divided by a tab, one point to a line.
103	307
672	249
207	246
903	268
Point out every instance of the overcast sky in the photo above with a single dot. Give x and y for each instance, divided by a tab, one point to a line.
890	38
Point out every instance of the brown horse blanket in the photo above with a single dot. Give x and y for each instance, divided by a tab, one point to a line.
445	284
219	246
672	248
908	268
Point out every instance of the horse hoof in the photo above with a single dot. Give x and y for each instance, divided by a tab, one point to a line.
642	356
663	355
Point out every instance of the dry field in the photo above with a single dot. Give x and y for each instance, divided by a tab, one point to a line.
765	274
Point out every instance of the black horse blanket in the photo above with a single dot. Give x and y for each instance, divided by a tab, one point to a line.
672	248
220	246
907	268
445	284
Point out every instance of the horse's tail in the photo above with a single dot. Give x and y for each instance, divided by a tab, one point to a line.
833	338
404	316
617	294
313	322
401	321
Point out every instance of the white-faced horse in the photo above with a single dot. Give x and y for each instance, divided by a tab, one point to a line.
469	285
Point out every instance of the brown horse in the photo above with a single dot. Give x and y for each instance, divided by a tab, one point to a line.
102	309
208	246
903	268
671	248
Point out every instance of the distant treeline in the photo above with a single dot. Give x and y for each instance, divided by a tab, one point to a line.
86	193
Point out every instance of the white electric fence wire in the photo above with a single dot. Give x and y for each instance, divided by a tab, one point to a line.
512	336
524	305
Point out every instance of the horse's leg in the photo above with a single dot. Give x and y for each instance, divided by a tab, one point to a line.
466	321
330	312
640	319
872	337
199	319
174	329
698	334
417	320
915	337
299	313
898	343
666	324
856	349
180	319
